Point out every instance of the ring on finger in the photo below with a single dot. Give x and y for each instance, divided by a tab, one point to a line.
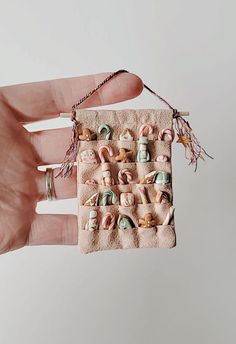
50	188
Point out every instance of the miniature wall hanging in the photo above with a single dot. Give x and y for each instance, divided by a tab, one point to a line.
124	174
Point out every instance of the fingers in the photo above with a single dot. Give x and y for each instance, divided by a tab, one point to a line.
46	99
64	187
54	230
51	145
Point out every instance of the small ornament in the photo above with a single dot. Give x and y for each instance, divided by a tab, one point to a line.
147	222
93	200
92	223
124	155
126	135
107	179
143	154
162	178
169	216
162	158
184	139
102	150
125	222
162	197
145	130
126	199
90	182
143	194
87	135
149	178
166	135
108	221
88	156
107	129
125	176
108	196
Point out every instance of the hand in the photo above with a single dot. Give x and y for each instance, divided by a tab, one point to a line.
22	185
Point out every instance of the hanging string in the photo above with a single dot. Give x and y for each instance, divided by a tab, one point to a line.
70	157
193	149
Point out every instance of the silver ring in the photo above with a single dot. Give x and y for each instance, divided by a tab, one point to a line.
50	189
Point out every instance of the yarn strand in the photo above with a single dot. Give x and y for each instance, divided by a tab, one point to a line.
192	146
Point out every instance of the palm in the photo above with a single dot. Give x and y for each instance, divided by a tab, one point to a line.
21	183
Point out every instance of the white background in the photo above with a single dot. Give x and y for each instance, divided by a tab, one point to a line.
185	50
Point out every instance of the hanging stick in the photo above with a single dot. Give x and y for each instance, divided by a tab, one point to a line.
193	149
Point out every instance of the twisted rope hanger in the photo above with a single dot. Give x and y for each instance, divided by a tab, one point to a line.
193	149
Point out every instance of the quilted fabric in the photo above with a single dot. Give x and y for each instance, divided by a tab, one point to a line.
159	236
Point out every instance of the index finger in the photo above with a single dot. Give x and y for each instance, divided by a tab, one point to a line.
43	100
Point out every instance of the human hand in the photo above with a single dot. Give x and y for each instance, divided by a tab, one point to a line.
22	185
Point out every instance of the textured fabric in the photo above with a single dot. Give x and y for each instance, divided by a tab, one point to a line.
103	239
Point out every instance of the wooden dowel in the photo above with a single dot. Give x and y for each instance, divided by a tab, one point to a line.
68	114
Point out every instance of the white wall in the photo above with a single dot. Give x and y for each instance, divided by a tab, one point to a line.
185	50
